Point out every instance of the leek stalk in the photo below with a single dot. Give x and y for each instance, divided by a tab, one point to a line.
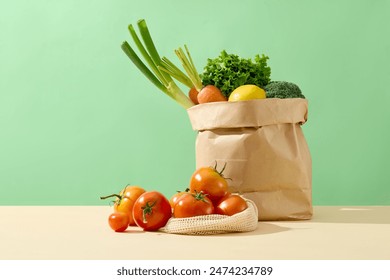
189	67
175	72
192	78
160	78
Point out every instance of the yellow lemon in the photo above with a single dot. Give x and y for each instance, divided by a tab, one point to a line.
247	92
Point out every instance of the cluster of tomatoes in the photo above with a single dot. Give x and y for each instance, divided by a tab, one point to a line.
207	194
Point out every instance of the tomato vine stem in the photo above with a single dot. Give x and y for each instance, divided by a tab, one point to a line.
111	195
221	172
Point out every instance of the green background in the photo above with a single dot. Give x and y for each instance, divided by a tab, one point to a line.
78	120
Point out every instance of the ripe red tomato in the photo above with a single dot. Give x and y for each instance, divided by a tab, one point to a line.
151	211
118	221
193	204
174	198
230	205
125	201
209	181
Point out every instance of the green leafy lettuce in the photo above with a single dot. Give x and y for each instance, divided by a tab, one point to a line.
229	71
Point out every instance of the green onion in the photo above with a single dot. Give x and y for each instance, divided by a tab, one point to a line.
192	79
175	72
161	79
189	67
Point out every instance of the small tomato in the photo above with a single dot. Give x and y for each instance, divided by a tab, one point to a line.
125	201
151	211
118	221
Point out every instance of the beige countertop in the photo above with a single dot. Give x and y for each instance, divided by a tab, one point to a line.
82	233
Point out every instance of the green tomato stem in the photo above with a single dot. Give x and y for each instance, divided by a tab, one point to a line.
147	210
111	195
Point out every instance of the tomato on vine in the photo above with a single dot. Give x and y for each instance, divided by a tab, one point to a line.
125	200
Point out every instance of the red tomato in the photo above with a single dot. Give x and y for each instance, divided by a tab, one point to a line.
173	200
151	211
193	204
230	205
209	181
118	221
125	201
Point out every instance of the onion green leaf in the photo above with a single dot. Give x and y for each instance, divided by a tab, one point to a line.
157	72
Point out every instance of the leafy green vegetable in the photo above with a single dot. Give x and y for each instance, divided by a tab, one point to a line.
283	89
161	79
229	71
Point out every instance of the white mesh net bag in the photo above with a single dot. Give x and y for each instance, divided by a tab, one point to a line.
244	221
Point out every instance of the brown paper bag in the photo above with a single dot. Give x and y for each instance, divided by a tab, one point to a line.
266	155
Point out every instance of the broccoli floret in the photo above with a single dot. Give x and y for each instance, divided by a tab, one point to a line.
282	89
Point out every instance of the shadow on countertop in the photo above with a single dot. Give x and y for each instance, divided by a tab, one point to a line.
262	229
